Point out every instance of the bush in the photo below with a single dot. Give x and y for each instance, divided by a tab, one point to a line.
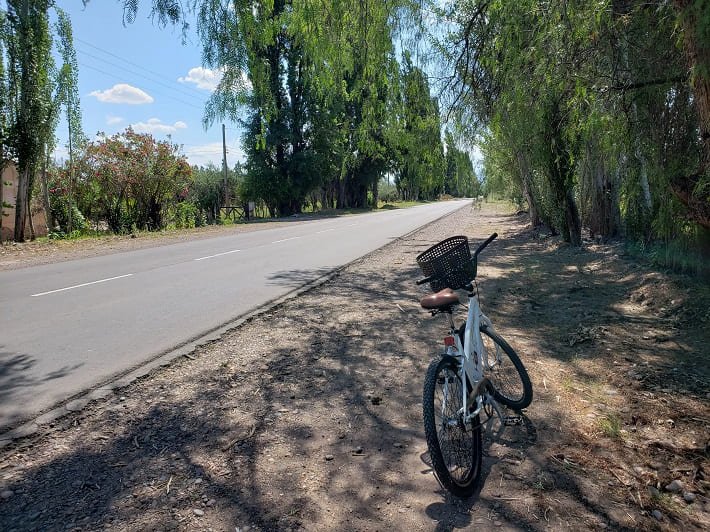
186	215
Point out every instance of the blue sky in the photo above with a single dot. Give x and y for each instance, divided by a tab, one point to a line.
142	75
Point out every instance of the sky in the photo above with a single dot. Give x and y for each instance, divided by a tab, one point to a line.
141	75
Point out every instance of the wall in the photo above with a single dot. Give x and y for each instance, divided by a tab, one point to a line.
9	195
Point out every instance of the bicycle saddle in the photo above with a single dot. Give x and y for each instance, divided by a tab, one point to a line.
445	298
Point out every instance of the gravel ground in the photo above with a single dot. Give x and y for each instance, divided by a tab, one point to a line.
308	417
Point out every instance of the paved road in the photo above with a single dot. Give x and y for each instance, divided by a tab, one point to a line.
67	327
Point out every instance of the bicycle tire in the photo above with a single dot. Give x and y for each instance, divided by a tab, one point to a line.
456	451
512	384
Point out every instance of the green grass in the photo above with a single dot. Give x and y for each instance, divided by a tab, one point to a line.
610	425
676	255
400	204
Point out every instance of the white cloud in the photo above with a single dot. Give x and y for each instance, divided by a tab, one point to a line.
60	154
155	125
123	93
113	120
203	78
212	153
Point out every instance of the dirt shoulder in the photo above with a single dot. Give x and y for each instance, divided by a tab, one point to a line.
308	417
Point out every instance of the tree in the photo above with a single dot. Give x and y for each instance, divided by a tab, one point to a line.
460	178
589	106
694	190
6	108
132	179
34	90
296	67
421	154
29	54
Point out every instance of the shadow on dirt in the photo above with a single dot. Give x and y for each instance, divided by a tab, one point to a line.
318	405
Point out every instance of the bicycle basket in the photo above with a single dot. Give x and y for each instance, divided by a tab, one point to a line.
450	260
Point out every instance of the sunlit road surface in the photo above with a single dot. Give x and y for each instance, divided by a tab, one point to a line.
70	326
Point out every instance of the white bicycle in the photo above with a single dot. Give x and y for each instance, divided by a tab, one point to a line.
477	373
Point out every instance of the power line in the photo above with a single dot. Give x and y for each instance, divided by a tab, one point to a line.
84	65
150	79
149	71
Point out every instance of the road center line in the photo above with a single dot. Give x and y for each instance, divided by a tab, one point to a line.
80	285
286	239
218	254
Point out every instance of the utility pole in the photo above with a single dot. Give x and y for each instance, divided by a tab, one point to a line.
224	165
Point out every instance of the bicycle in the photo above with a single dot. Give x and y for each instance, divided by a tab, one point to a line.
467	381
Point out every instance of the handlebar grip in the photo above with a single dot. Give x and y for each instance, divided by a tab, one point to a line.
488	241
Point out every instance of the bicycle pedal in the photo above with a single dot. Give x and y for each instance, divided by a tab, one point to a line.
510	421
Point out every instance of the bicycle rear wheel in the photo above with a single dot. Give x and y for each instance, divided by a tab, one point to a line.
455	447
508	374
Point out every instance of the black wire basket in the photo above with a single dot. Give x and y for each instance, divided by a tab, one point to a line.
450	261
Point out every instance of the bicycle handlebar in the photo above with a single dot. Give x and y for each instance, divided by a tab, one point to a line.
475	257
483	246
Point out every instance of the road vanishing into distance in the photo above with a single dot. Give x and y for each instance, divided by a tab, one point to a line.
68	327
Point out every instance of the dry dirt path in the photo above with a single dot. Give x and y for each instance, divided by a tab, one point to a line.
308	417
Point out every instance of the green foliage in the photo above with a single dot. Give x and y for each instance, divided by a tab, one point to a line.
585	111
63	207
460	178
207	194
33	91
317	82
420	160
130	180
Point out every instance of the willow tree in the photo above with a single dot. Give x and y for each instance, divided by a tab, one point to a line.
598	100
694	189
292	71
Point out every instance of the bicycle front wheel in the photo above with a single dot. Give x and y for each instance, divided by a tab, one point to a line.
455	447
507	373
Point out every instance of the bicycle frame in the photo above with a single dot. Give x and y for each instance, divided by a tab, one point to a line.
474	358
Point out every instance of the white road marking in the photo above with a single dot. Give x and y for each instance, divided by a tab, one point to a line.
286	239
80	285
218	254
351	225
325	230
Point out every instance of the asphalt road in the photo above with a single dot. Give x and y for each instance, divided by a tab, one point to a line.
70	326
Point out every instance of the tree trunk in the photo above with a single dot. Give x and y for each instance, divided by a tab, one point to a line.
559	174
2	192
524	169
691	190
21	206
572	219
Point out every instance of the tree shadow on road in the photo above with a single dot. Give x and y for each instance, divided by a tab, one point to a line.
17	377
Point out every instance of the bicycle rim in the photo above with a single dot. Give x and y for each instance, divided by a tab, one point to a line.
455	447
507	372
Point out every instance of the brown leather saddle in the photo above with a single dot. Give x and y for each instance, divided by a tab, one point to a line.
444	299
